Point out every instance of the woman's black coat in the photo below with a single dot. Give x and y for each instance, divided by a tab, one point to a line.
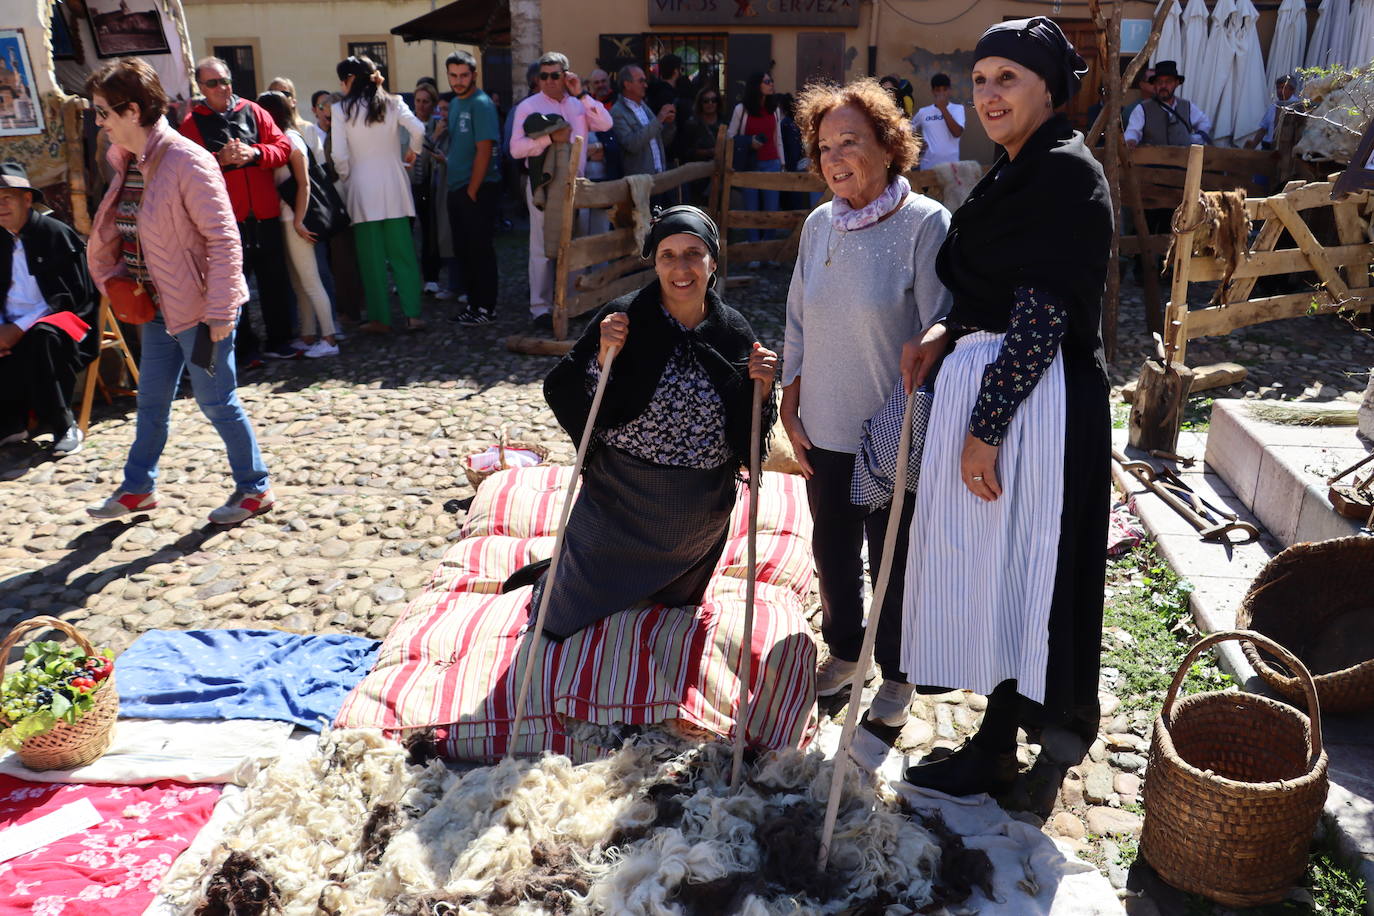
722	342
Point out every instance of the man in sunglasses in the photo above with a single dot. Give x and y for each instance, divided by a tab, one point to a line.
561	94
249	147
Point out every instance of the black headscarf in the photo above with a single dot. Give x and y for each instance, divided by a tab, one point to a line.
1038	44
682	218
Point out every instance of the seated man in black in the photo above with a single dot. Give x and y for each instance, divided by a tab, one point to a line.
47	311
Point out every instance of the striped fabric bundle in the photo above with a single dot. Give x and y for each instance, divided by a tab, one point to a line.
455	656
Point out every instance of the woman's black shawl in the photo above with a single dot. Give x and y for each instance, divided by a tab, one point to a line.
722	342
1043	219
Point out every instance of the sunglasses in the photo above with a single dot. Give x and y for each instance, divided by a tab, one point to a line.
768	81
103	113
217	83
551	76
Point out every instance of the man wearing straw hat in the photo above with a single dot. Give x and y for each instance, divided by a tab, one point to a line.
49	307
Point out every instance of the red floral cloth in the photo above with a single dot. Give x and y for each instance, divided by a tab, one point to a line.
110	869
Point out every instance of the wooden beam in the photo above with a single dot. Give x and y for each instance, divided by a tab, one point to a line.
604	246
1349	227
603	194
538	346
1176	315
565	232
599	279
1145	248
1309	245
763	219
1268	263
590	300
1222	319
1205	378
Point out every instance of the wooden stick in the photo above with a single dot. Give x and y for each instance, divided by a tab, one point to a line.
746	656
538	632
1112	300
856	685
1176	314
1132	70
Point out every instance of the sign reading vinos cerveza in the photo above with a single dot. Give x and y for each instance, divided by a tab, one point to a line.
834	13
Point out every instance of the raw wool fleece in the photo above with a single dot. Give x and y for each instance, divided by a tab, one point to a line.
649	828
1337	116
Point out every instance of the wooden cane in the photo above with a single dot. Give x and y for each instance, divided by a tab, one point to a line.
746	655
856	685
550	578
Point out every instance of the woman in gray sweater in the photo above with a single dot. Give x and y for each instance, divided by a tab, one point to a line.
863	286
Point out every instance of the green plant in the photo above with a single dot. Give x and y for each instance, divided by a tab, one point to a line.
54	684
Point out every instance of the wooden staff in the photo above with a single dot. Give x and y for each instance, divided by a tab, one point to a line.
746	656
856	685
557	551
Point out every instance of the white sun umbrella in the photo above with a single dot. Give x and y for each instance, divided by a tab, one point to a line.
1247	94
1208	80
1170	46
1330	42
1362	34
1289	42
1194	41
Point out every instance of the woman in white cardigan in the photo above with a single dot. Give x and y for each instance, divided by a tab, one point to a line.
377	189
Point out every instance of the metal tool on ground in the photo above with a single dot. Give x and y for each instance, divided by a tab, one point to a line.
537	631
856	684
1355	499
745	705
1212	522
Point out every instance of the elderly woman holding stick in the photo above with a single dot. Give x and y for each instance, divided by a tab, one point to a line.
864	284
669	440
1006	566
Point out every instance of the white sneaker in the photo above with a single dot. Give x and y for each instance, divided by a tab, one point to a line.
322	347
833	675
299	344
892	702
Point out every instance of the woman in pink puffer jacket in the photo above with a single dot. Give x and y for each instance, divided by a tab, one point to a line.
166	221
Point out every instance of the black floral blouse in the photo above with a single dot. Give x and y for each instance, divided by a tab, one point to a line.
1038	322
684	424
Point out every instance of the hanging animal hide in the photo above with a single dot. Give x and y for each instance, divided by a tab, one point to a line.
1221	231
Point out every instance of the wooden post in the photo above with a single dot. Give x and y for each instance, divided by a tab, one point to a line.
1176	315
1132	70
73	123
565	232
1149	267
1157	411
726	170
713	195
1112	301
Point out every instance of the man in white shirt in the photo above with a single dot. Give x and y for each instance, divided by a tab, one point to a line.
941	124
560	93
47	307
1167	119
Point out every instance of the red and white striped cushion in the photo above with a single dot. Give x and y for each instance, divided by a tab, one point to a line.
454	657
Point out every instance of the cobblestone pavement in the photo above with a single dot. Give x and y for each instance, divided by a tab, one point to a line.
365	451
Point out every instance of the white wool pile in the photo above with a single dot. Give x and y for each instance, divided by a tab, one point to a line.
458	834
1341	111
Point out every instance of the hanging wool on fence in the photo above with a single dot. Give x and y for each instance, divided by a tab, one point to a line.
1221	231
652	830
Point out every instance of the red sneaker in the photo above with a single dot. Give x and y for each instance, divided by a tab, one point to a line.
123	503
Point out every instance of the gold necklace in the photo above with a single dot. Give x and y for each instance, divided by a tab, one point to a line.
831	244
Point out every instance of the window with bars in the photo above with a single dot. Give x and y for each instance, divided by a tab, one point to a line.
700	53
378	51
242	68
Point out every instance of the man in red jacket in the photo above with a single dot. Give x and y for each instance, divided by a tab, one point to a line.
249	147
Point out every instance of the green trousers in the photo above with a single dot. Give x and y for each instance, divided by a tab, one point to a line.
380	242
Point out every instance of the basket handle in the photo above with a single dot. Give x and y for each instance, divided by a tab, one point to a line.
42	623
1288	658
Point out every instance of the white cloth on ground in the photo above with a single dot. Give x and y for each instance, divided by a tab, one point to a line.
187	750
985	567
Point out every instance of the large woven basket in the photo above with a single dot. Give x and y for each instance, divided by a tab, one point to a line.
477	475
65	745
1316	600
1234	788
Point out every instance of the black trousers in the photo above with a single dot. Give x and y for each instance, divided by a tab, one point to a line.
474	242
39	375
838	533
429	242
264	256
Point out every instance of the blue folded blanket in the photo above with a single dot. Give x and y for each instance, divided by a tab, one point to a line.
241	674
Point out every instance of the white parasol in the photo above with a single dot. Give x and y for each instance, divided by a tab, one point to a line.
1330	42
1170	46
1362	34
1194	25
1208	81
1247	95
1286	48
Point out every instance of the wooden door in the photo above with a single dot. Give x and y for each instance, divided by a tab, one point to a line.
744	54
1084	35
820	56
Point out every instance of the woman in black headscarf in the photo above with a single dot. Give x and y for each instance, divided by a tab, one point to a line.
670	439
1006	561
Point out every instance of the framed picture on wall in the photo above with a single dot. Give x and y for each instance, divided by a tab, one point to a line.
63	45
21	110
124	27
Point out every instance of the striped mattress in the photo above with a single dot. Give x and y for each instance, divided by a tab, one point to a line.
453	658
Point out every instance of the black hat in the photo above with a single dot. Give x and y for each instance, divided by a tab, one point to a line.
14	175
1038	44
682	218
1166	68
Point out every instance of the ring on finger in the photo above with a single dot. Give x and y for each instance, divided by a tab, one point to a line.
977	476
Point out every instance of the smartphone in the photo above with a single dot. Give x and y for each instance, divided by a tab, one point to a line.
203	350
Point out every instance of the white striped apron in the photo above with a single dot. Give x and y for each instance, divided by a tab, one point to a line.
980	575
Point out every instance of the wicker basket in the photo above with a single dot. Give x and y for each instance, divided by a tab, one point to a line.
476	476
65	745
1235	785
1315	599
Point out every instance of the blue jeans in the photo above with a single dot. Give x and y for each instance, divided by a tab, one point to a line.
756	199
159	370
